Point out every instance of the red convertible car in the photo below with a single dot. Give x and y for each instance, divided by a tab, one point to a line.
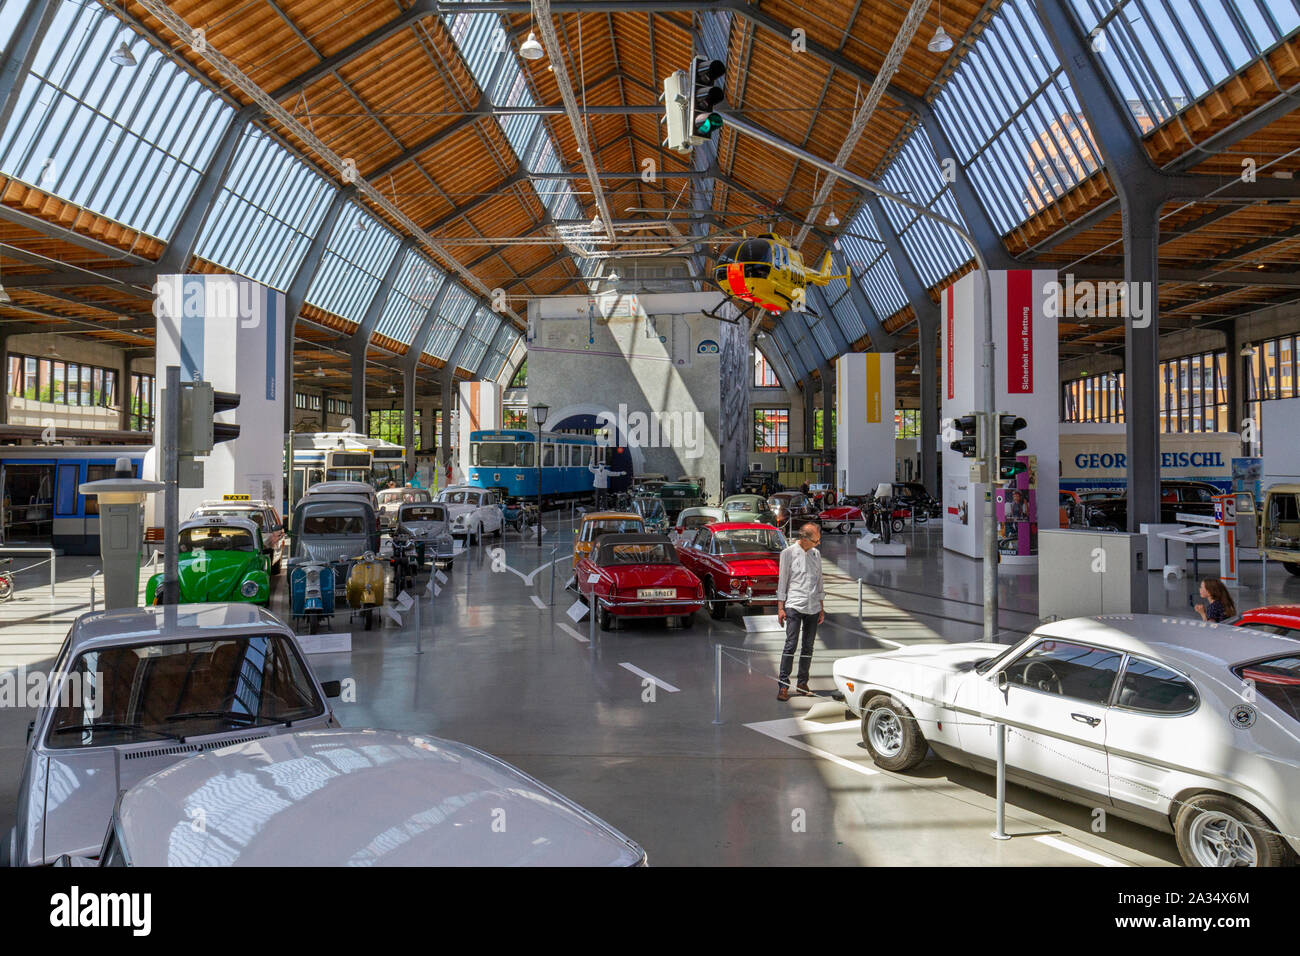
846	516
638	575
1283	619
736	562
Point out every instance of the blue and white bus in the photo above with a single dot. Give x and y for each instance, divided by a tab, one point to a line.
506	459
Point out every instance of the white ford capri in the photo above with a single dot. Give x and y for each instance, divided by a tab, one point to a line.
1187	727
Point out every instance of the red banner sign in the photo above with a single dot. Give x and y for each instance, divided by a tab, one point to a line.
952	381
1020	332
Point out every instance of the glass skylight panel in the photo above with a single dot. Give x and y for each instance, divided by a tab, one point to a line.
1162	55
844	307
266	212
417	284
126	143
354	263
914	174
452	315
482	328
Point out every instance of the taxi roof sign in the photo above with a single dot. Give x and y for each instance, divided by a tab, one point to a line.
236	497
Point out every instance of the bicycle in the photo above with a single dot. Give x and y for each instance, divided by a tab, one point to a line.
6	580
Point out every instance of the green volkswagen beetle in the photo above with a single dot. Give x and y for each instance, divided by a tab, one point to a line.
220	558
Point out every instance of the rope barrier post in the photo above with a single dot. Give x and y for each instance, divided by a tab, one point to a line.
1000	833
553	575
51	574
717	682
591	618
419	648
859	602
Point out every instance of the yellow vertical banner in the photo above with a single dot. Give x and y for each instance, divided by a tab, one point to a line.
839	401
873	387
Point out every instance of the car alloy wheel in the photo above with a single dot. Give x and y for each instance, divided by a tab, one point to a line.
717	610
1220	839
886	732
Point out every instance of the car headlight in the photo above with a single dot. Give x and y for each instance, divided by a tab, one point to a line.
737	583
248	589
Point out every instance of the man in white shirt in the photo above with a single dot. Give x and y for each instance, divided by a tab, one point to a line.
600	475
799	597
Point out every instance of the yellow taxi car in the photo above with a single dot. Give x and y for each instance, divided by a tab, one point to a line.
603	522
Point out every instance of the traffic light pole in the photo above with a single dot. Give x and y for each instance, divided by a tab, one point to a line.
990	449
171	479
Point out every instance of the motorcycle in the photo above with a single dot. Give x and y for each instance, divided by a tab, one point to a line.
405	561
365	587
311	592
514	515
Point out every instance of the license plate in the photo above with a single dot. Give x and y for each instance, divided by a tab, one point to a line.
656	592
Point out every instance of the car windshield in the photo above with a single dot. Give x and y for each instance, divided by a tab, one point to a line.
642	553
745	504
749	541
424	513
390	495
1276	680
651	509
458	497
182	689
215	539
333	524
697	521
619	526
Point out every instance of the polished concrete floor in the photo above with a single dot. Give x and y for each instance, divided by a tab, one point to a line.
627	724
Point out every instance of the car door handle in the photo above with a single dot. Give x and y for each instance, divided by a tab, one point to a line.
1085	719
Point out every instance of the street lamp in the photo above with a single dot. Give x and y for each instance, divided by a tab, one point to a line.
540	411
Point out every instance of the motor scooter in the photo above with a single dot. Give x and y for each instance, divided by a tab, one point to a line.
311	592
405	561
365	587
513	514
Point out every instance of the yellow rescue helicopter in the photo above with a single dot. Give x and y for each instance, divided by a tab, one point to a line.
764	271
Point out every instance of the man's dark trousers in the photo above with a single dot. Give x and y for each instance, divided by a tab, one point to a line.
794	622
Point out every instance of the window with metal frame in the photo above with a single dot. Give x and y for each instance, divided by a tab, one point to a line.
126	143
352	268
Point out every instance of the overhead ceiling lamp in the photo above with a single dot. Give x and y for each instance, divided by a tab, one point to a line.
531	49
319	373
4	296
359	226
1247	350
832	220
940	42
122	56
392	389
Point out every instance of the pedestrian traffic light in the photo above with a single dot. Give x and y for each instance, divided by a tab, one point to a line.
967	427
1009	445
706	93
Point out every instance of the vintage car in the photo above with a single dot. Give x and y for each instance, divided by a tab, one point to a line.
691	519
653	515
638	576
261	513
846	516
412	800
1070	507
791	506
762	483
698	481
1110	513
1139	714
334	530
219	558
752	508
913	496
679	495
598	523
134	691
359	489
392	499
737	563
1279	525
473	512
1281	619
430	525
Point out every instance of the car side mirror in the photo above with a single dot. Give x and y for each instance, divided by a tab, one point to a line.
1003	681
332	688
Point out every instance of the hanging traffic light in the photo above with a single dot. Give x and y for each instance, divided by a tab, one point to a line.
677	113
1009	446
967	427
224	402
706	93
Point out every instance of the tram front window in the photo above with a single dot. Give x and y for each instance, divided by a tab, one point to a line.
382	472
493	454
525	452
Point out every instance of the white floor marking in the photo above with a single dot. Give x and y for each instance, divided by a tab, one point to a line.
786	729
1079	851
538	601
528	579
640	673
573	633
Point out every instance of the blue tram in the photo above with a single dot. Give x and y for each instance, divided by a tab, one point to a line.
40	504
506	459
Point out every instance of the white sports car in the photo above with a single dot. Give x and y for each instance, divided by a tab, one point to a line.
473	512
1183	726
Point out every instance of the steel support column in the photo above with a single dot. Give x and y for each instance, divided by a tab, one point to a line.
408	419
18	58
359	342
927	344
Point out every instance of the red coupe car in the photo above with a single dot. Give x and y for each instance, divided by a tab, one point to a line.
736	562
638	575
1283	619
